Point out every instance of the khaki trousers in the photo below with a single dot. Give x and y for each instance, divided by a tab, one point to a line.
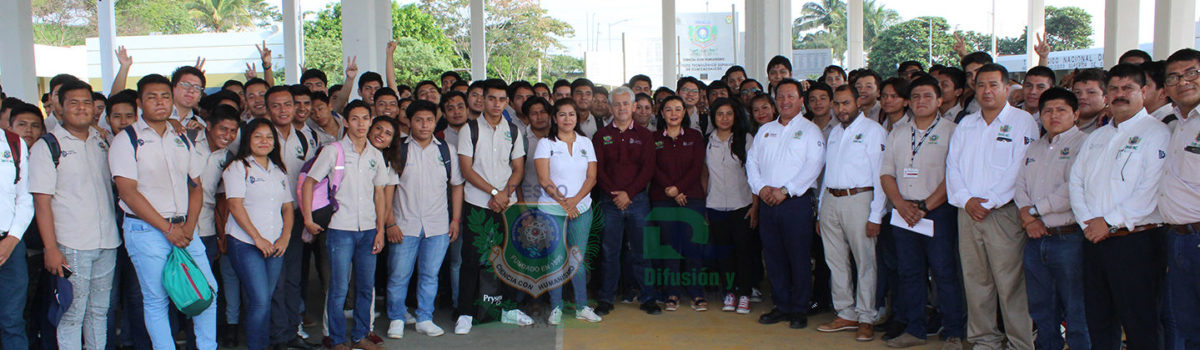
844	235
993	271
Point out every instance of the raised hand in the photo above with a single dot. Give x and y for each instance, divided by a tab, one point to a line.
123	57
960	45
265	54
251	70
351	68
1042	48
200	63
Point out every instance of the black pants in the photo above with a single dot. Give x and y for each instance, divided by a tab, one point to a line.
742	248
285	301
1123	280
479	290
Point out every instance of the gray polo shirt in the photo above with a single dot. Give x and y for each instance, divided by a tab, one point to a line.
491	158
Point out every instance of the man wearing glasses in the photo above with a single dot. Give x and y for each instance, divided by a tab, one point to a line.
909	69
1179	194
187	85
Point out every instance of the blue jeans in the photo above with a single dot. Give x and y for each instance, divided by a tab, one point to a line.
1183	275
453	258
622	227
12	305
422	251
259	276
231	288
577	236
1054	282
348	248
148	249
937	255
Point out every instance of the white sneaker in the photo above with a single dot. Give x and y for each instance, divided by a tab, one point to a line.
517	317
463	326
587	314
728	303
396	329
555	316
409	318
428	328
300	332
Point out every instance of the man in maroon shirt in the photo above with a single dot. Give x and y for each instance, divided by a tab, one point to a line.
625	153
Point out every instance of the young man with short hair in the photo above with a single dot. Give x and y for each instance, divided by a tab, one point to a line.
952	81
187	85
368	82
582	93
778	68
985	154
641	84
256	99
1179	194
1089	87
16	212
1037	80
1114	187
519	92
1158	103
211	156
867	83
537	113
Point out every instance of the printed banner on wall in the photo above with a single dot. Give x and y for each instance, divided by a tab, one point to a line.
706	46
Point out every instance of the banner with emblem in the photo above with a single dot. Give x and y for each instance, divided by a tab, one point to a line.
532	254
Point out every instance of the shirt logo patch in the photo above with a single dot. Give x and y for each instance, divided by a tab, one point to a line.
798	134
1162	155
858	138
508	136
933	138
1028	140
178	142
371	164
299	152
253	179
1134	140
1028	160
6	157
1005	128
608	140
1065	154
658	144
1197	137
583	152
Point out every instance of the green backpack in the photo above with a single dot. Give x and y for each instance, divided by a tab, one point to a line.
185	283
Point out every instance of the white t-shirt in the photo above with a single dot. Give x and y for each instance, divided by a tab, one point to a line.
264	192
568	169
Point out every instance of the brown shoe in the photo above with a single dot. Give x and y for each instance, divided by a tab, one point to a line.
366	344
837	325
866	332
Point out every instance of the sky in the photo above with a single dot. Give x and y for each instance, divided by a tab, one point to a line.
599	23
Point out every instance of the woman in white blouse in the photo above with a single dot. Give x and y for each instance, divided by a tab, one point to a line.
566	170
260	208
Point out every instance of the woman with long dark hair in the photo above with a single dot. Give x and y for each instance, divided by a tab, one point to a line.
762	111
382	131
676	187
731	206
260	211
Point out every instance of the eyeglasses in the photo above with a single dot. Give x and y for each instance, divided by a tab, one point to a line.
1189	75
190	86
749	91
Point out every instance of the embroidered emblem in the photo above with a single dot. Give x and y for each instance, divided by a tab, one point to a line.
1161	154
1134	140
608	140
799	133
371	164
178	142
658	144
1005	128
933	138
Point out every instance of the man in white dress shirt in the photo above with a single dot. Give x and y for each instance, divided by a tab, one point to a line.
1179	194
1114	187
986	152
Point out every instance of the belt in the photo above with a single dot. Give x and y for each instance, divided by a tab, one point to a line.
1062	230
1125	232
849	192
1186	229
172	220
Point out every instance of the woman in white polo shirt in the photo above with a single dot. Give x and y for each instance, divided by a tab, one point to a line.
566	169
260	209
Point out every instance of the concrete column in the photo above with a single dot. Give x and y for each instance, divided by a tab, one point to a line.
16	65
1037	26
768	33
854	35
478	42
1120	29
1174	26
361	36
670	70
291	41
107	29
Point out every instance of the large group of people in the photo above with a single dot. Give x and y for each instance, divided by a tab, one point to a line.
1038	213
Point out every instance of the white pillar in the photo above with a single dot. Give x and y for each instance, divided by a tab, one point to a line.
478	42
16	65
668	44
1037	26
1174	28
291	41
854	36
1120	29
107	29
361	37
768	33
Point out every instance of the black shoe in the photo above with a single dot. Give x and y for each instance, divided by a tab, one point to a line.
894	330
300	344
651	308
798	321
773	317
603	308
229	337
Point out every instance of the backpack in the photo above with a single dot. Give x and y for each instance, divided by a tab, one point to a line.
185	283
133	140
14	145
443	148
304	140
326	189
473	125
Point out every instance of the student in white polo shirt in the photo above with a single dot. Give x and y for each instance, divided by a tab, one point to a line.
259	223
16	211
149	163
424	219
69	170
211	155
352	239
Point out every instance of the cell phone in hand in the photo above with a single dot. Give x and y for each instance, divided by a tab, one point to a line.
67	271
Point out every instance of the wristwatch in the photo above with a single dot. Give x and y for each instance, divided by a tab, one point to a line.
495	191
921	206
1034	212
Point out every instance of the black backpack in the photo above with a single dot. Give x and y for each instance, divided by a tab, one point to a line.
473	125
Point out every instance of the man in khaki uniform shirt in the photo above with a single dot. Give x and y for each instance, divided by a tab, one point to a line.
1054	251
913	177
1179	195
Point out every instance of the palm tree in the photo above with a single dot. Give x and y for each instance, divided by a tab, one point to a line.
823	25
226	15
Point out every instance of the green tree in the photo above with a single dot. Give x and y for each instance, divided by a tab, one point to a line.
63	22
1067	28
226	15
823	25
519	33
910	41
561	67
144	17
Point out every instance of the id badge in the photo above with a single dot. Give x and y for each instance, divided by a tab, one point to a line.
911	173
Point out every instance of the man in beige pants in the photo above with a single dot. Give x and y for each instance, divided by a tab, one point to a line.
851	208
986	152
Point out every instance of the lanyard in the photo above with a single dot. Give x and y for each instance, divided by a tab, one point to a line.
916	146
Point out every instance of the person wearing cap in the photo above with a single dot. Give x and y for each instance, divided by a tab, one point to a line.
986	152
1054	252
82	241
1114	184
1179	194
161	199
